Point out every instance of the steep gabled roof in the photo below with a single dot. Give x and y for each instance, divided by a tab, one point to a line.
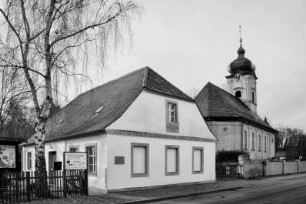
217	104
97	108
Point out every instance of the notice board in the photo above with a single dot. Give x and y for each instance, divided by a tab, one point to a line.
75	160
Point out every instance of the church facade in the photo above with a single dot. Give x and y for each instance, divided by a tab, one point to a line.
231	114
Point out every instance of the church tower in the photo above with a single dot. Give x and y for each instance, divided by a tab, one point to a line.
242	79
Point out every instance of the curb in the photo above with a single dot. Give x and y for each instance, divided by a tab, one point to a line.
150	200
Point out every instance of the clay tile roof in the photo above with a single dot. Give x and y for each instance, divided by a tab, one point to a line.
217	104
97	108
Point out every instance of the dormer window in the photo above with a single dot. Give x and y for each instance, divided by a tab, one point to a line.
238	94
99	109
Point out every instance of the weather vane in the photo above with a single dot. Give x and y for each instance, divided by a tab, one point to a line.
240	34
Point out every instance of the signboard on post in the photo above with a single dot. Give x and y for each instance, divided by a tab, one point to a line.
75	160
7	156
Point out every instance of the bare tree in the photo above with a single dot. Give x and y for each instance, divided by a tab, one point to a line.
193	92
12	89
45	39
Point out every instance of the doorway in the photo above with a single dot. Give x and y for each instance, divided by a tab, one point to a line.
52	159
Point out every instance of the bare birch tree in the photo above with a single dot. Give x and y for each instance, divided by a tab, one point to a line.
12	90
44	38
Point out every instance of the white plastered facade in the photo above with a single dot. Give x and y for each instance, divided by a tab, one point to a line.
144	122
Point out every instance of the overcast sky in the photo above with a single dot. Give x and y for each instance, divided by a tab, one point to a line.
191	43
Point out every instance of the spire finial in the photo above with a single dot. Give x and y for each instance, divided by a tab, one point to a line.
240	35
240	50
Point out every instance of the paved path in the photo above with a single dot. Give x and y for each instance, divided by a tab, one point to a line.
290	190
273	190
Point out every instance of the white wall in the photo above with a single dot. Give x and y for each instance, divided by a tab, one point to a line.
228	134
256	154
148	114
119	176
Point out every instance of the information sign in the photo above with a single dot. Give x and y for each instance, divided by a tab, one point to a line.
7	156
75	160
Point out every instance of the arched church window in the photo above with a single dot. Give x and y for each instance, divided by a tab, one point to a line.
253	97
238	94
245	141
253	141
259	143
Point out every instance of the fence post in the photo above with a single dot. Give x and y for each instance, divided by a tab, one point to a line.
28	187
64	184
86	182
17	186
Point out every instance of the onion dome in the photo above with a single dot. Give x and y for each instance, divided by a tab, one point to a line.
242	64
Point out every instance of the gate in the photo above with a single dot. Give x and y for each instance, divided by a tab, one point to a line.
227	170
22	186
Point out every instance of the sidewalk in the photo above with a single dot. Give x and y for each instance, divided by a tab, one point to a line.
165	193
153	195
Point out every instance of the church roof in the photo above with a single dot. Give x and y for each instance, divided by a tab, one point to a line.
217	104
94	110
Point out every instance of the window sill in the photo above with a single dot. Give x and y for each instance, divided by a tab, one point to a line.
197	172
171	173
140	175
92	174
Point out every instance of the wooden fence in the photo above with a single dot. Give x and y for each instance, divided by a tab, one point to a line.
23	186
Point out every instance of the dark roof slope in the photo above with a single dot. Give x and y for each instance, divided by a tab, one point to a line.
97	108
217	104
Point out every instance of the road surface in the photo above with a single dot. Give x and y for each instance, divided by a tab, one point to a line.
286	190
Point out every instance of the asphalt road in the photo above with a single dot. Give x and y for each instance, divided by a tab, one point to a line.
287	191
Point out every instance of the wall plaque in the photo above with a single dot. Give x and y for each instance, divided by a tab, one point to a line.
119	160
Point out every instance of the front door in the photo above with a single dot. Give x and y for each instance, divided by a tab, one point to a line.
52	159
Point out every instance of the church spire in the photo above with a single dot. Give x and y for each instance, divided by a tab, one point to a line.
240	36
241	50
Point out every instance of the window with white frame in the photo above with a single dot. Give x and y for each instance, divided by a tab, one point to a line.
172	117
197	159
140	159
92	158
29	161
172	160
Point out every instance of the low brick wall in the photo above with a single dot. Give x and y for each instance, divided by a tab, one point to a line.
302	166
290	167
273	168
284	167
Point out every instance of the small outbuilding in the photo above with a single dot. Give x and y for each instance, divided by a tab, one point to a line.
138	131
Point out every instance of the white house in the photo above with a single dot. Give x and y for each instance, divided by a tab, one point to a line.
139	131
